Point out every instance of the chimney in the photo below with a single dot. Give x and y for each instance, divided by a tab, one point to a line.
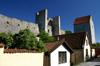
57	38
38	38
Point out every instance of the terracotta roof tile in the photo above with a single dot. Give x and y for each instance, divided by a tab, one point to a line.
75	40
20	51
50	45
2	45
82	19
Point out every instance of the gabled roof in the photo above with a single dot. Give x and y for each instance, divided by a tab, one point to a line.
51	46
82	19
75	40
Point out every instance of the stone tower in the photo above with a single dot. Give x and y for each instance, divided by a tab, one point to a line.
41	20
85	24
51	26
56	25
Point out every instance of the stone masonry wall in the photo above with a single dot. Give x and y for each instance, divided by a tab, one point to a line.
41	19
56	25
83	27
14	25
89	27
92	31
51	26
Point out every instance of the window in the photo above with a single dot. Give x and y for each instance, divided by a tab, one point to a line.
62	57
48	30
7	22
42	28
27	26
18	24
86	52
86	42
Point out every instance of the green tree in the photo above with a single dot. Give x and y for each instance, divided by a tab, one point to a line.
25	39
6	39
68	32
96	45
44	36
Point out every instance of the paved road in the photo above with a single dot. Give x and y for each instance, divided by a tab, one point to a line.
95	62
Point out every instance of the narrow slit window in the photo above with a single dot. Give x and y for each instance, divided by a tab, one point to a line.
18	24
7	22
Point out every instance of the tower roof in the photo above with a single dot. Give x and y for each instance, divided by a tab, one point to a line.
82	20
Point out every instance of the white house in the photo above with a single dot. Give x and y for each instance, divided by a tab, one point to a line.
58	53
79	42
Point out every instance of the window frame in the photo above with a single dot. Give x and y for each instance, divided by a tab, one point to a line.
62	57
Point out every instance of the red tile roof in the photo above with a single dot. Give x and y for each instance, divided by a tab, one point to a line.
2	45
50	45
20	51
75	40
82	19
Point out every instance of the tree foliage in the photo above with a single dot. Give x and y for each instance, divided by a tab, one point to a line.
68	32
6	39
44	36
25	39
96	45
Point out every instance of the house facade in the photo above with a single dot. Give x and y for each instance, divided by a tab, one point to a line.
58	53
79	42
85	23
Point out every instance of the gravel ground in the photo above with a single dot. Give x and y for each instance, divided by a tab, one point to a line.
94	62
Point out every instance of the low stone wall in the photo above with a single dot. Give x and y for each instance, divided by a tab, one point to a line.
14	57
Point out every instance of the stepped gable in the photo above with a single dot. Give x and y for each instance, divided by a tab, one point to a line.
75	40
82	19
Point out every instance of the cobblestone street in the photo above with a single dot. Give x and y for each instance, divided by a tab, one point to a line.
95	62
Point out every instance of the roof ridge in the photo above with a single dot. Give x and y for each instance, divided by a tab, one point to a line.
84	16
71	33
83	19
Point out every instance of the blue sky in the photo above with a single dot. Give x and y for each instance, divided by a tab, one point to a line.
68	10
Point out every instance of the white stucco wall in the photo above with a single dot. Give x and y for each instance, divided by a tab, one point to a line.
93	52
84	50
21	59
55	59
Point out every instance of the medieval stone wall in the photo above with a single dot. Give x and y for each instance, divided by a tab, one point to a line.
14	25
51	26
